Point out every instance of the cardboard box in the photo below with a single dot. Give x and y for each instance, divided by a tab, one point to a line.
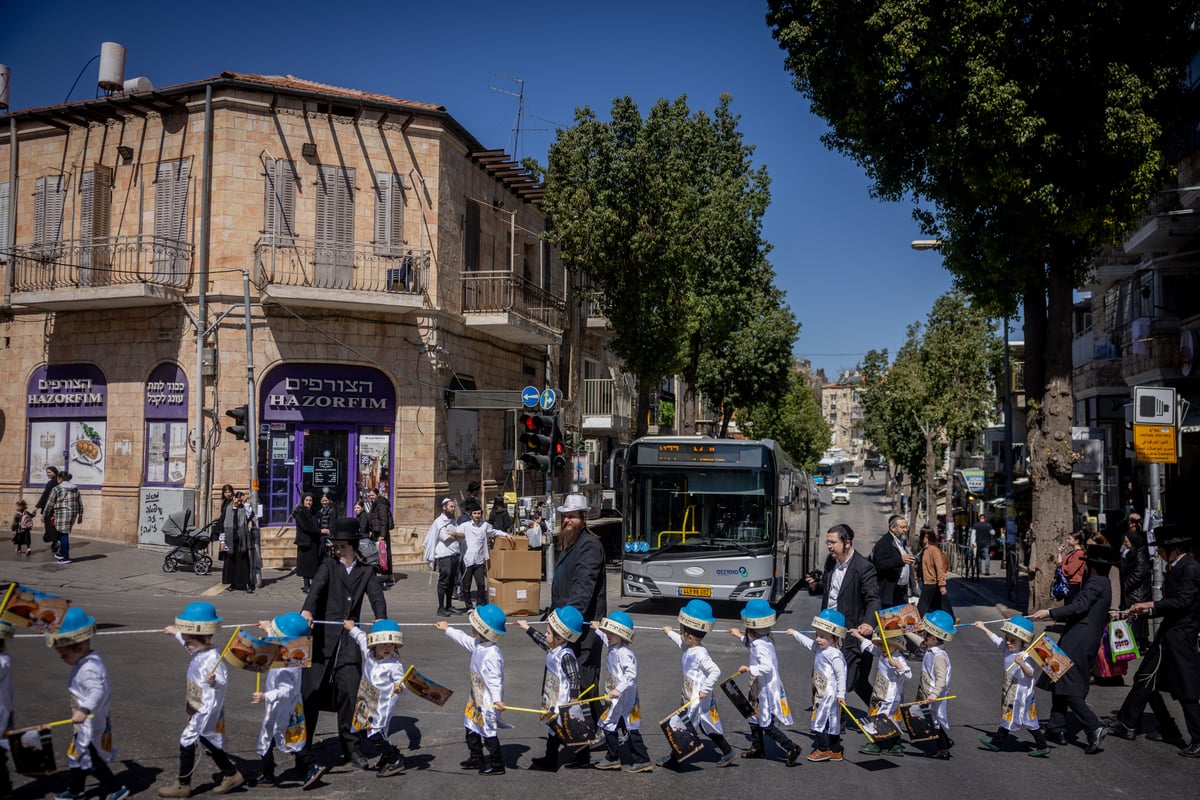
516	597
518	543
523	565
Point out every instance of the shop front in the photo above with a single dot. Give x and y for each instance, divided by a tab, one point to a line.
67	409
327	429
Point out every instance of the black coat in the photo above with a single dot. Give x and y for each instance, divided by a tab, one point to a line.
1179	625
579	578
858	597
1086	618
379	518
1136	576
308	542
889	563
336	596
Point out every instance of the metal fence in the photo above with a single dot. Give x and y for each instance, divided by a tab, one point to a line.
294	261
107	261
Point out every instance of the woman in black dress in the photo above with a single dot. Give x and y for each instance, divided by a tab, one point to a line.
239	539
218	531
308	541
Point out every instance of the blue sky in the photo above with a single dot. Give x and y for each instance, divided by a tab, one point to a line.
842	257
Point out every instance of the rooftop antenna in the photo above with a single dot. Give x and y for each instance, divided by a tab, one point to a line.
520	95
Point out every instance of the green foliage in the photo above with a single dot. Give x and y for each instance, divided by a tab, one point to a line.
666	414
794	421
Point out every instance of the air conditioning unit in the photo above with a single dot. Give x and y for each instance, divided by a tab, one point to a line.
592	448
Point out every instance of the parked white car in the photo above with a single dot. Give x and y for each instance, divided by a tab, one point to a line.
853	479
840	494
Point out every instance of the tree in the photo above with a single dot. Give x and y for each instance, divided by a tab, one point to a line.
794	421
1029	136
664	213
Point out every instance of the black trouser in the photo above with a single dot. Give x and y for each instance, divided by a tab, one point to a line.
77	775
589	652
187	760
829	741
1135	703
339	685
633	740
757	732
478	574
1059	705
495	758
858	670
387	750
447	567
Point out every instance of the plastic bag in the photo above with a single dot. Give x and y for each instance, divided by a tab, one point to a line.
1119	642
1060	588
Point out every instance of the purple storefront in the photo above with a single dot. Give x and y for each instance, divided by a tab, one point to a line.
67	408
325	429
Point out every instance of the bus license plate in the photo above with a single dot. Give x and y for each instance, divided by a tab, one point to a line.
695	591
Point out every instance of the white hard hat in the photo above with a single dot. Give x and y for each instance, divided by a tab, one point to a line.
574	502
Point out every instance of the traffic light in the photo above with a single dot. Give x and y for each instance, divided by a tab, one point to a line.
238	428
558	450
535	437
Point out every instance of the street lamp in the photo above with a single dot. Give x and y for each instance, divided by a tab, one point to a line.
930	508
925	244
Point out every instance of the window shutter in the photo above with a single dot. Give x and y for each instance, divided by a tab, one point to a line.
170	217
334	227
279	217
49	199
471	244
389	214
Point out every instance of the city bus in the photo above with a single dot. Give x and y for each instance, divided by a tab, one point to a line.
719	519
831	471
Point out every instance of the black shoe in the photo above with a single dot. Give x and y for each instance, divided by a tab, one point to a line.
581	761
793	755
1172	737
264	779
454	610
393	766
492	769
754	752
1118	728
472	763
942	755
359	760
1058	736
313	776
1095	739
1192	750
668	762
441	612
543	764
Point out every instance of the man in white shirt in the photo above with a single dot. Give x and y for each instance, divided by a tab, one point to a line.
476	534
442	550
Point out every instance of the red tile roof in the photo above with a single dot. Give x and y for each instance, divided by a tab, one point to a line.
292	82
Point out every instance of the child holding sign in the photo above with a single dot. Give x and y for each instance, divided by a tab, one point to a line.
283	716
381	685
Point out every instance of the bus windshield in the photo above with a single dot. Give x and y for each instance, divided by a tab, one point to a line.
698	510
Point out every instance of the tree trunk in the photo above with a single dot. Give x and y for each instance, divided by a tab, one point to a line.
685	408
930	467
1049	414
726	418
641	415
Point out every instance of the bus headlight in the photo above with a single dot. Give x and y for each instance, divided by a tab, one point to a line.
750	589
640	584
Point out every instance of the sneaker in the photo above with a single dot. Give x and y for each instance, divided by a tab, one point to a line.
987	741
471	763
176	790
754	752
1118	728
1039	752
313	776
264	779
942	755
870	749
644	766
441	612
120	794
392	767
836	755
727	759
793	756
1095	739
229	783
895	750
820	755
607	764
67	794
358	759
492	769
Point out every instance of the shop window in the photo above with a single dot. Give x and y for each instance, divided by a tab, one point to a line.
68	419
166	414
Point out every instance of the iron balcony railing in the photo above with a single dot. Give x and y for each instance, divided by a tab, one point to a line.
500	291
603	397
359	267
108	261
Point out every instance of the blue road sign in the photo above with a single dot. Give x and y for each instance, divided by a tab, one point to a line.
530	396
548	398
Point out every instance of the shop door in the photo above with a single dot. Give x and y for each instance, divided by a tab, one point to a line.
327	467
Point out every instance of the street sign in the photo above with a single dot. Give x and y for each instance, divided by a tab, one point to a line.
975	479
1153	405
548	398
1154	443
529	396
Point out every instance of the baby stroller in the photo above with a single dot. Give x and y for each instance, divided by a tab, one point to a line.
190	543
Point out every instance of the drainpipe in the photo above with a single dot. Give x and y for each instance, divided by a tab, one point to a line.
10	245
203	476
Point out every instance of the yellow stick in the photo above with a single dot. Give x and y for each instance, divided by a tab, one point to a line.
400	686
257	682
55	724
12	587
882	635
683	707
923	702
228	644
731	677
583	694
870	738
1028	650
520	708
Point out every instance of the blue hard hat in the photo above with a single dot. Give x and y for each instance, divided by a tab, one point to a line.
567	622
697	615
488	621
620	623
1019	627
289	626
76	627
758	613
385	631
831	621
199	611
940	624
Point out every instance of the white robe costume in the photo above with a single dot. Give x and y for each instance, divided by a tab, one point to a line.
487	684
622	677
206	703
887	685
89	689
700	674
828	684
935	658
378	690
766	686
283	715
1018	701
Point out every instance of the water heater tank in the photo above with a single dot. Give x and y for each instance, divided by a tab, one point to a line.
112	67
5	76
139	84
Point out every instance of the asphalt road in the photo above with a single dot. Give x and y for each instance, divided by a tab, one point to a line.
127	592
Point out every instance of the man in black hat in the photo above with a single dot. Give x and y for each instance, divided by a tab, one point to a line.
1086	618
331	683
1172	663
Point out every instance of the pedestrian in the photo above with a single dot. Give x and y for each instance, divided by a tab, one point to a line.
331	683
380	688
894	564
219	532
1172	663
1018	703
700	676
1070	560
829	684
980	541
308	541
379	527
1086	618
6	705
560	679
206	682
934	567
848	585
579	581
500	519
91	749
283	712
46	508
766	684
537	530
937	628
443	551
240	548
477	537
68	512
326	514
482	715
887	688
472	495
1136	579
624	711
22	527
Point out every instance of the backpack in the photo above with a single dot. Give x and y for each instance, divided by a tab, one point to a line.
1060	588
26	522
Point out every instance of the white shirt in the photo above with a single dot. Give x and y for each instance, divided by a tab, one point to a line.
475	541
835	581
441	530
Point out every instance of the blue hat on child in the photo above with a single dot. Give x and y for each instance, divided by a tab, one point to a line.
198	619
291	625
940	624
758	614
619	623
831	621
385	631
488	621
567	622
1020	628
698	616
76	627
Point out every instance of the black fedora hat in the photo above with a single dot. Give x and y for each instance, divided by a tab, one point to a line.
1171	535
1101	555
345	529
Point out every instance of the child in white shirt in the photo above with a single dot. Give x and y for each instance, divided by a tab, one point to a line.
700	676
283	715
560	680
380	688
766	685
1018	708
623	713
828	683
937	628
887	688
482	715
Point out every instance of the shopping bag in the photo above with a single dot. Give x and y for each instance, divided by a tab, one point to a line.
1105	668
384	562
1121	644
1060	588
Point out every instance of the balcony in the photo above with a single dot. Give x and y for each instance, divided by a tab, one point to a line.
607	406
1096	362
1153	355
507	306
360	277
113	272
593	313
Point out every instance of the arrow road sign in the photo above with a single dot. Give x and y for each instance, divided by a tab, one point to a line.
548	397
529	396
